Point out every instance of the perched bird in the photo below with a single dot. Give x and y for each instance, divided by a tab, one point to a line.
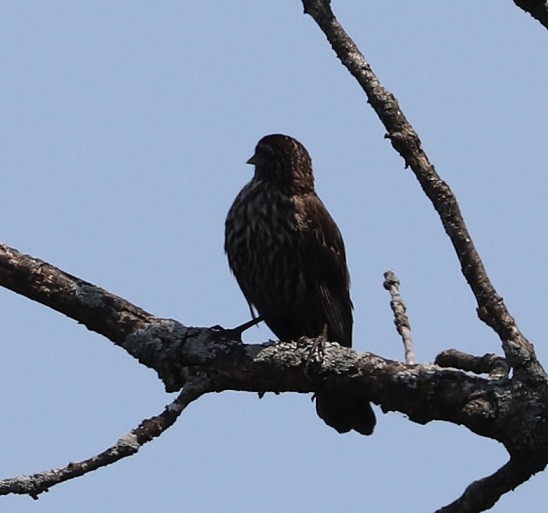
288	257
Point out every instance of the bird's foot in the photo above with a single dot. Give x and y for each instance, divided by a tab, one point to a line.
318	346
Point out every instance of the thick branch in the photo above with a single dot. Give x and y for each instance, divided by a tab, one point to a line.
92	306
538	9
491	308
423	392
126	446
503	410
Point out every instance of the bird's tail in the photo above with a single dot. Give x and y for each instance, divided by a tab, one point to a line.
344	412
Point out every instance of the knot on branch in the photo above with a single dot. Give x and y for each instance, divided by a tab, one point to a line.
481	409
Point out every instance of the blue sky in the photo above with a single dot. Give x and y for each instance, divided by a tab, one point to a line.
125	130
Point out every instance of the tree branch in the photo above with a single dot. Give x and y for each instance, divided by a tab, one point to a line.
126	446
501	409
92	306
484	493
95	308
401	320
491	308
538	9
491	364
177	352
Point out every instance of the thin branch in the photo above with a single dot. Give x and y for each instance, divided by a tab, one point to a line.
128	445
491	308
538	9
401	320
491	364
484	493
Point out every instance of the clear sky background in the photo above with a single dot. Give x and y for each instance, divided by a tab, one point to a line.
125	127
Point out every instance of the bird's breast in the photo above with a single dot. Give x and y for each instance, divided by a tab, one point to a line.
262	244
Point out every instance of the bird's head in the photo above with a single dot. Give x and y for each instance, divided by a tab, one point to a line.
284	162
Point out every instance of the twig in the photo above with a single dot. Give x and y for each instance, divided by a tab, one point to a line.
128	445
491	308
401	320
491	364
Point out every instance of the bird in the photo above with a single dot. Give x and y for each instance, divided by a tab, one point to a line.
289	259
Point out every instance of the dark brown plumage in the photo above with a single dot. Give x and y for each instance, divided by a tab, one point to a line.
289	259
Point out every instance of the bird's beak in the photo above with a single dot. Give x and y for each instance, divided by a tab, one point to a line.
252	160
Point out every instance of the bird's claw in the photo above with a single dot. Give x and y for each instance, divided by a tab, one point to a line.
318	345
238	330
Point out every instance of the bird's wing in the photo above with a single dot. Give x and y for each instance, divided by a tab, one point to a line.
325	262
